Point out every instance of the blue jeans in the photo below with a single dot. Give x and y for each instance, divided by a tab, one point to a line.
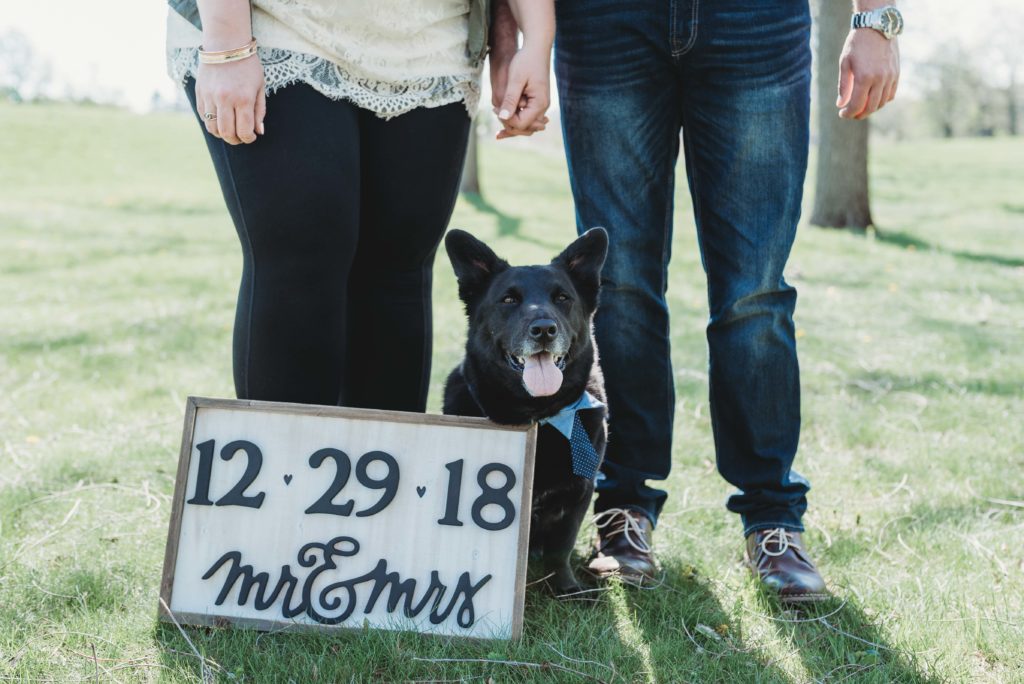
733	76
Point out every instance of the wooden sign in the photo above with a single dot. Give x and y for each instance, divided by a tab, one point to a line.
291	515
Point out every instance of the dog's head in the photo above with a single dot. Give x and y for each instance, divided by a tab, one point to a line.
530	320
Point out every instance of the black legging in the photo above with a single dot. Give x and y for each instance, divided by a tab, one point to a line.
339	214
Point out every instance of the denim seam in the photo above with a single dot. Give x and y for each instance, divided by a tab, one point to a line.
672	32
691	169
666	245
757	527
252	263
693	30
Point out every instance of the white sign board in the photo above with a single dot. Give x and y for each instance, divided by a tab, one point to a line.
319	517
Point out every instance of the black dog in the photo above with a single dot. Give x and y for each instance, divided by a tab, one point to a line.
531	357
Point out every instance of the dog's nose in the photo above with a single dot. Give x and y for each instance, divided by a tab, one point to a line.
543	329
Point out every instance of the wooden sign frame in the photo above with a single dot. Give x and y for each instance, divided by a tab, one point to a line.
195	404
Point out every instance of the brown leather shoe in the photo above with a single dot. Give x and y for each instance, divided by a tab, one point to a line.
623	547
777	558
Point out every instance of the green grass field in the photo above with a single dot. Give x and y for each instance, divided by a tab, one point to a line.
118	275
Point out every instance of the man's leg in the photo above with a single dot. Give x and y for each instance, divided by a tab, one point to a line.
620	109
746	111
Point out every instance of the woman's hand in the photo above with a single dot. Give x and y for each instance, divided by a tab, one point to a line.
229	96
234	94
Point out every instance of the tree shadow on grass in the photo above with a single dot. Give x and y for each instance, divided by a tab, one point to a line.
905	240
928	384
837	641
508	226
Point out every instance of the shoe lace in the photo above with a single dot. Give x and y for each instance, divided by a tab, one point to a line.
629	527
782	539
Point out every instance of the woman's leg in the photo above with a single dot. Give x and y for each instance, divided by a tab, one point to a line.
411	167
294	198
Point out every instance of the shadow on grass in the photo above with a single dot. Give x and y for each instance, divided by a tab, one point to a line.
904	240
141	206
508	226
690	636
38	345
58	261
928	384
837	642
674	632
563	641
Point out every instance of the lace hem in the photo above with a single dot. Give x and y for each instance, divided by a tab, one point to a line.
386	100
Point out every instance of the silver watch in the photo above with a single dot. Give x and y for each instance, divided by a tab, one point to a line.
886	20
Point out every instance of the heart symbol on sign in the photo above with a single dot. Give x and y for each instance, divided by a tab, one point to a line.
287	479
421	491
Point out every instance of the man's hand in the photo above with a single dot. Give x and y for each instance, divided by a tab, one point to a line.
869	72
527	94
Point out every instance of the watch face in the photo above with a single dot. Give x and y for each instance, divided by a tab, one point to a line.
892	22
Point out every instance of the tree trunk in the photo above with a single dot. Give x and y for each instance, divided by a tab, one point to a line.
841	192
1011	104
471	168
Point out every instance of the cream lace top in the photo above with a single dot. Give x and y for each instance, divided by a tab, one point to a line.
388	56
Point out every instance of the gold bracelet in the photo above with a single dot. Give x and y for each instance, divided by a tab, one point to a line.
225	56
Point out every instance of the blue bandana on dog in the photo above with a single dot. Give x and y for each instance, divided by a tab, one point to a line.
567	421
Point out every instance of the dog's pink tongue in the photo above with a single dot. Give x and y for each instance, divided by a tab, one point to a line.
541	376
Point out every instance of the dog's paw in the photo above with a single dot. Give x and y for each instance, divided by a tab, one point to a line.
564	585
568	592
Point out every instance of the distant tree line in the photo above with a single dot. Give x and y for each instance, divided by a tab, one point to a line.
23	74
960	99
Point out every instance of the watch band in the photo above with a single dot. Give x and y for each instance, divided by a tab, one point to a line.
861	20
886	20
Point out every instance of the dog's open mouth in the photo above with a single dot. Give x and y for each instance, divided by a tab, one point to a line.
542	372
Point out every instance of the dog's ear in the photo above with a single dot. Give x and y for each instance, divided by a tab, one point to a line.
583	260
474	262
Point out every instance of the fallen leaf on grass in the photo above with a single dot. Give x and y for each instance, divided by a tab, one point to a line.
708	632
868	657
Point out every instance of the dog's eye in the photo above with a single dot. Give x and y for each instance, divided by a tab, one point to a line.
509	299
561	297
